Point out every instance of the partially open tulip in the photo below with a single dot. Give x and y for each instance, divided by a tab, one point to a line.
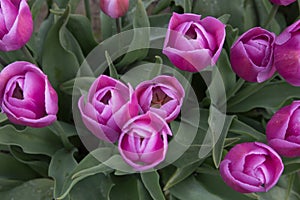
283	2
287	54
16	25
109	105
26	95
283	130
251	167
193	43
162	95
114	8
143	143
251	56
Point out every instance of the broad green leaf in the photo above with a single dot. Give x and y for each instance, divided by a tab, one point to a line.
89	166
61	165
263	96
191	189
180	175
108	26
231	35
36	189
93	188
277	193
14	170
7	184
112	69
138	48
161	20
213	183
31	140
81	29
161	5
83	82
228	76
217	8
224	18
125	188
250	15
38	163
241	128
151	182
36	8
3	117
219	145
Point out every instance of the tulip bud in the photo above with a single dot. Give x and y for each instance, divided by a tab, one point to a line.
287	54
282	2
114	8
16	25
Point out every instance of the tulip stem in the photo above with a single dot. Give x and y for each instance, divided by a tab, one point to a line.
87	9
118	25
299	5
271	16
59	130
28	55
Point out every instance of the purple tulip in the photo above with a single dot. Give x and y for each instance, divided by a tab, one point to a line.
143	143
193	43
251	167
16	25
162	95
114	8
26	95
282	2
283	130
110	104
287	54
251	56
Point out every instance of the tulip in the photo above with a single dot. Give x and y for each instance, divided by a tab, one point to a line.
283	2
16	25
251	167
283	131
114	8
251	56
143	143
287	54
110	104
193	43
162	95
26	95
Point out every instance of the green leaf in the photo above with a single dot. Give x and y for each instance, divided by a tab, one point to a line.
36	8
3	117
277	193
250	15
38	163
61	165
31	140
83	82
93	187
250	97
161	5
231	35
108	26
14	170
138	48
32	190
219	145
181	174
81	29
151	182
112	69
224	18
241	128
213	183
228	76
191	189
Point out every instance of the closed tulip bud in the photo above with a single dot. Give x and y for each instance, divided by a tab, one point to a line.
114	8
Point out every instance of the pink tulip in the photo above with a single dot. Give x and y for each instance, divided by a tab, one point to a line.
16	25
283	130
26	95
162	95
251	167
114	8
287	54
110	104
143	143
193	43
251	56
282	2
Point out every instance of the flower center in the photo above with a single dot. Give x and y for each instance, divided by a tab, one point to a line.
18	92
159	98
191	33
105	99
